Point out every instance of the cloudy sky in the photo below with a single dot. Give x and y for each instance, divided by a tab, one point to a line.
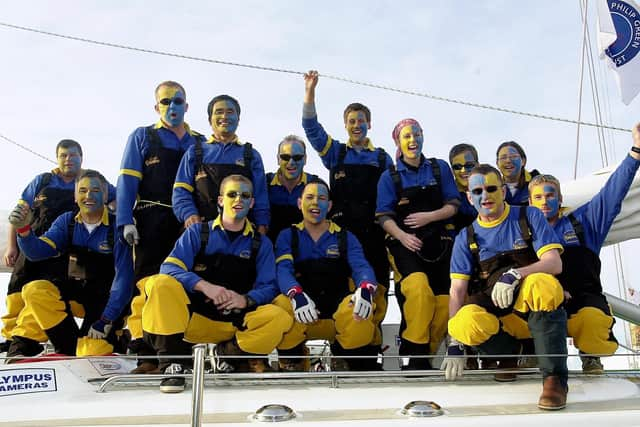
520	55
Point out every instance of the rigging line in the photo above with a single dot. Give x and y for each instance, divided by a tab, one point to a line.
328	76
25	148
580	87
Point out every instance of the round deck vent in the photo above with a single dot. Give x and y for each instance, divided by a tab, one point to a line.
422	408
274	413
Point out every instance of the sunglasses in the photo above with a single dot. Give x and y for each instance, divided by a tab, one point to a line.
458	166
488	189
167	101
295	157
245	195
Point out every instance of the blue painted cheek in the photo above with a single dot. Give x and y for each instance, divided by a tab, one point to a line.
324	208
363	129
175	114
554	205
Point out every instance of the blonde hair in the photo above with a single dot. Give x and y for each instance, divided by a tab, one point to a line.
236	178
545	179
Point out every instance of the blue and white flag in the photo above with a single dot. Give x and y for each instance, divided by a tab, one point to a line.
619	43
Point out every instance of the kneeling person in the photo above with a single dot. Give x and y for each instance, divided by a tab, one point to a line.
315	260
215	287
92	288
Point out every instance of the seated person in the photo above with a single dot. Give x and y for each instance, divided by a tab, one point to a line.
215	287
582	233
505	262
315	260
92	288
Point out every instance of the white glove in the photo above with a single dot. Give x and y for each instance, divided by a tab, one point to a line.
454	362
304	309
361	300
100	329
130	234
20	216
502	293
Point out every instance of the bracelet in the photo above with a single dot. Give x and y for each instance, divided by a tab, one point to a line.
23	229
635	149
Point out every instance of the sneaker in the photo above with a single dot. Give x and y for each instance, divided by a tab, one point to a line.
592	365
174	384
146	368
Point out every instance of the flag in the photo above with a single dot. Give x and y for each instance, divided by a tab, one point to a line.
619	43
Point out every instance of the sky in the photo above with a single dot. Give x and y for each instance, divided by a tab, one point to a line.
519	55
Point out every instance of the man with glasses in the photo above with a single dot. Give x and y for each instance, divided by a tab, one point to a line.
502	266
216	287
582	233
145	185
354	170
286	184
204	166
463	158
48	195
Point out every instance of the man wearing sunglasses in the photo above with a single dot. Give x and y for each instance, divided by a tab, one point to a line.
216	287
147	172
286	184
354	170
502	266
315	260
463	158
582	233
204	166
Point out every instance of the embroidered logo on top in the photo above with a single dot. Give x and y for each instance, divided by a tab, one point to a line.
404	201
519	244
199	267
333	251
338	175
152	161
570	236
201	174
105	247
246	254
240	162
626	20
29	380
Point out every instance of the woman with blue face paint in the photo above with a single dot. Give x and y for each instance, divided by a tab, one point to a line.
286	184
582	233
511	160
416	199
96	286
502	272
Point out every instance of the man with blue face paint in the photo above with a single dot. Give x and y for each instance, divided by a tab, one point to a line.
511	160
91	287
503	288
354	169
315	260
216	286
583	232
463	158
145	185
286	184
49	195
416	200
204	166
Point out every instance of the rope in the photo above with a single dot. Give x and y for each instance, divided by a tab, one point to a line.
328	76
26	149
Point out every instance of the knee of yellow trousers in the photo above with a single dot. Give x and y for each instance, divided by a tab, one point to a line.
515	326
165	311
40	291
539	292
266	327
294	336
134	320
93	347
438	328
284	303
204	330
352	333
590	329
418	308
14	304
472	325
44	303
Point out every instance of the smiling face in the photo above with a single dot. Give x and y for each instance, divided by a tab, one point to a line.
357	126
410	142
236	200
462	165
546	198
486	194
510	163
171	104
314	203
90	196
69	161
224	118
291	159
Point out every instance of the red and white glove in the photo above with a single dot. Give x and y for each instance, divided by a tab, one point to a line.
362	299
304	309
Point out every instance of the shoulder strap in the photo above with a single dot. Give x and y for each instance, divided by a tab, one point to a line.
198	152
269	177
256	240
395	178
342	244
154	139
204	238
247	155
45	181
473	245
435	167
577	227
71	226
110	236
382	157
295	243
523	221
341	155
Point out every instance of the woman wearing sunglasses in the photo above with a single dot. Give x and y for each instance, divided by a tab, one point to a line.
511	160
415	200
463	158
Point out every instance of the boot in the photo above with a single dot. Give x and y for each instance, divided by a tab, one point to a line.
554	394
224	363
22	347
591	365
288	364
64	336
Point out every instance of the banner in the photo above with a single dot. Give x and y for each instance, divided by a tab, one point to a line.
619	43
